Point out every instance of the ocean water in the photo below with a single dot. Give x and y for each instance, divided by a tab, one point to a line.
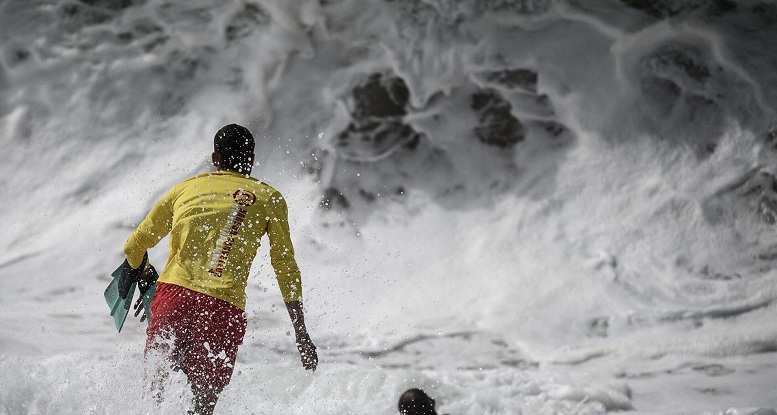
523	207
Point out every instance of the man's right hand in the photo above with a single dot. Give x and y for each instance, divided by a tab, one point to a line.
145	281
130	275
307	351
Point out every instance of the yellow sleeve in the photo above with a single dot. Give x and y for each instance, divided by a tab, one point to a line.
151	230
281	249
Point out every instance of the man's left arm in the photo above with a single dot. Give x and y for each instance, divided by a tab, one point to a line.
288	275
305	346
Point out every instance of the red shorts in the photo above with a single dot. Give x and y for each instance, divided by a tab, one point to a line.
197	333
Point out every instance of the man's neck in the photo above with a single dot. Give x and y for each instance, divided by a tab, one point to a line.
244	173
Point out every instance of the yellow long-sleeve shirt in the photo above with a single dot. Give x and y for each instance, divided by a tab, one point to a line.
215	221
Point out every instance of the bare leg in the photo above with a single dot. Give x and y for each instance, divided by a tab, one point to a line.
163	356
156	377
157	384
204	400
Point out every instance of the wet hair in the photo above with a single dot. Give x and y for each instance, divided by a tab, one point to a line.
234	146
416	402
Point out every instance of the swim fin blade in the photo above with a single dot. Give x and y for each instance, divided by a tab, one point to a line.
120	307
147	297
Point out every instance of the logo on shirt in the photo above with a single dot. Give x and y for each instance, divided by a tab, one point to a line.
225	241
244	197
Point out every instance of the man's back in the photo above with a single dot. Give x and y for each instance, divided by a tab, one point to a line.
216	221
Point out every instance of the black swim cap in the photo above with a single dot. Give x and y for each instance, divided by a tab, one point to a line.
234	145
416	402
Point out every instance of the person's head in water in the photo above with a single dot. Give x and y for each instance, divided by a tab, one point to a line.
416	402
233	149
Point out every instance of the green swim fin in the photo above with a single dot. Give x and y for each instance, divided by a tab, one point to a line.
147	297
120	307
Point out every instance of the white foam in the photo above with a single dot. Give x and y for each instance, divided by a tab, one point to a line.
615	267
